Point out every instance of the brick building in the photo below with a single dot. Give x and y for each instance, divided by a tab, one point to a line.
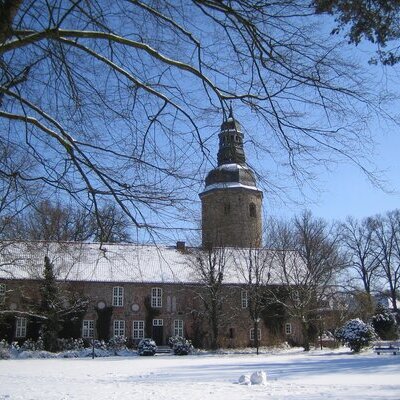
140	291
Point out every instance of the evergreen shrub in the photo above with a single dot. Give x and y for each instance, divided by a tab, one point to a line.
180	345
356	334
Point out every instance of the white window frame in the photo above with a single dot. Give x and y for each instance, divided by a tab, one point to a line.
158	322
118	296
178	327
20	327
88	328
3	289
252	334
288	328
138	329
119	327
156	297
245	299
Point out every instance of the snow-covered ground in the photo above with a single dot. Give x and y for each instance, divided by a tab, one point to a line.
290	375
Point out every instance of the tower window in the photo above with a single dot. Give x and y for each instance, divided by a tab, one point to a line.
227	208
252	210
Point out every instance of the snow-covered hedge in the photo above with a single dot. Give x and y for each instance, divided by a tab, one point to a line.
180	345
356	334
69	348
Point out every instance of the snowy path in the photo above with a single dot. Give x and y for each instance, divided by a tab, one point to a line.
318	375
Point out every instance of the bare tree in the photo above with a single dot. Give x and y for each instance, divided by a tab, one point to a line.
15	195
307	260
114	225
254	269
55	221
209	266
387	236
360	246
118	100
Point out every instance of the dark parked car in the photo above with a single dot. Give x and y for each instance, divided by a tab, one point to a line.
147	347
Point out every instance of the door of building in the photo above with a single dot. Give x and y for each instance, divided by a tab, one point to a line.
158	331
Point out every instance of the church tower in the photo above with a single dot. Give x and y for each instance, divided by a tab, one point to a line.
231	202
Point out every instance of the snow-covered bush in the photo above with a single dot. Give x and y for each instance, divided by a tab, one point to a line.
4	350
98	344
71	344
384	323
356	334
31	345
175	339
117	343
180	345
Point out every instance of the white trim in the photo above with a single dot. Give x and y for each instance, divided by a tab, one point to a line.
252	334
178	327
156	297
288	328
228	185
138	329
118	327
88	328
118	296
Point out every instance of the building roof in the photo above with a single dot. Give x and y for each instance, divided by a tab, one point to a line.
73	261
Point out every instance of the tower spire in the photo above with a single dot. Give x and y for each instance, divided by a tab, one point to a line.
231	203
230	110
231	142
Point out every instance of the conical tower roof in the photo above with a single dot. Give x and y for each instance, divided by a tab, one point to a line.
232	169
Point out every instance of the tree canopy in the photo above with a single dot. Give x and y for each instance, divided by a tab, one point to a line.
377	21
120	100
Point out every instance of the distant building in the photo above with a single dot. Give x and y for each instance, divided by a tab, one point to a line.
140	291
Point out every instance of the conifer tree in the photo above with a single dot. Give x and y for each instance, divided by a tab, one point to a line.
50	307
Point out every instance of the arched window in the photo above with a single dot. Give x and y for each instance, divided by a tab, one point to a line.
252	210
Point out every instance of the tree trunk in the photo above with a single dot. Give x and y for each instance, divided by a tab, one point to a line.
8	10
306	338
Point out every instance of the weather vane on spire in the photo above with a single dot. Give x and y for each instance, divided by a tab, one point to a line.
230	110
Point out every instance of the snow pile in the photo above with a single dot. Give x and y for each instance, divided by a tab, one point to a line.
244	380
256	378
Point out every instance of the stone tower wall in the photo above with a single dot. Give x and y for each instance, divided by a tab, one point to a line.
228	219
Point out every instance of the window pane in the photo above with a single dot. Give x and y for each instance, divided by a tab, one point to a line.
138	330
178	327
119	328
20	330
156	297
88	329
118	296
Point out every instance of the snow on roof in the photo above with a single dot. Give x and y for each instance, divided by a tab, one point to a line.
228	185
114	262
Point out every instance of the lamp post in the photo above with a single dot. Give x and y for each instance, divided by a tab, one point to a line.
256	322
320	331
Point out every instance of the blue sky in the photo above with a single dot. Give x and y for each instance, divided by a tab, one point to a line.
345	190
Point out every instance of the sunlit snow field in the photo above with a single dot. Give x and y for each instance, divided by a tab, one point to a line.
290	375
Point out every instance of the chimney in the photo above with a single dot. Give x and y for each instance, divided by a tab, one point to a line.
180	246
